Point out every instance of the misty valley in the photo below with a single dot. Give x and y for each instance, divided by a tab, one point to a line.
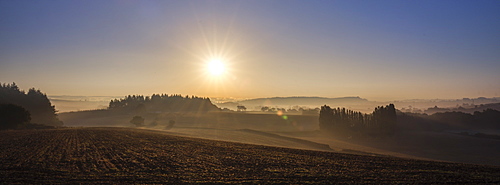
142	127
249	92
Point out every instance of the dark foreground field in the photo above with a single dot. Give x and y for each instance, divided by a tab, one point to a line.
126	155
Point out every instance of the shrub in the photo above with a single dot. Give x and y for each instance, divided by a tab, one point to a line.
138	121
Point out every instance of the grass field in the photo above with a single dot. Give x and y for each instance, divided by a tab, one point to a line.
127	155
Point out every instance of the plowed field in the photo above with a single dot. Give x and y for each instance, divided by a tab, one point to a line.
127	155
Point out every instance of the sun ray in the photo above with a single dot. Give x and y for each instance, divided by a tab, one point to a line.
214	55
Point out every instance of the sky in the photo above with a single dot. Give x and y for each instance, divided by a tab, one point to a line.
379	50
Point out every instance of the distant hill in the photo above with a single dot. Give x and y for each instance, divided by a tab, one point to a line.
311	102
420	105
470	109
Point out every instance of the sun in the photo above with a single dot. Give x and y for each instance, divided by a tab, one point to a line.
216	67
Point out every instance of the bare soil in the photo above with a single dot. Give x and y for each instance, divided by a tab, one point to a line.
127	155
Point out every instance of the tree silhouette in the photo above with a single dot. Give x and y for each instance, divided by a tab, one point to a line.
13	116
138	121
343	121
326	118
35	102
241	108
264	109
139	104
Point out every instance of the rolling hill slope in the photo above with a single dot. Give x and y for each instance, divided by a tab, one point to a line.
126	155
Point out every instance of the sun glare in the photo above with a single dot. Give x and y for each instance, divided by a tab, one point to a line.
216	67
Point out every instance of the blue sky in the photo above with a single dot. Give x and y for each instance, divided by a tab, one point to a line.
380	50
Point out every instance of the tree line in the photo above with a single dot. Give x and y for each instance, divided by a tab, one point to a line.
13	116
33	106
162	103
485	119
341	121
302	110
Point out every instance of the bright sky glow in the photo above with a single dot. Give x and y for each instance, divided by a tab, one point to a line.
216	67
380	50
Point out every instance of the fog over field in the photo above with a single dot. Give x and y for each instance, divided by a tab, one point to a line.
282	91
77	103
128	155
428	145
270	129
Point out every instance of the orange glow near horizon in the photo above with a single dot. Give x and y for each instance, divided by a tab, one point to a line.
213	67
